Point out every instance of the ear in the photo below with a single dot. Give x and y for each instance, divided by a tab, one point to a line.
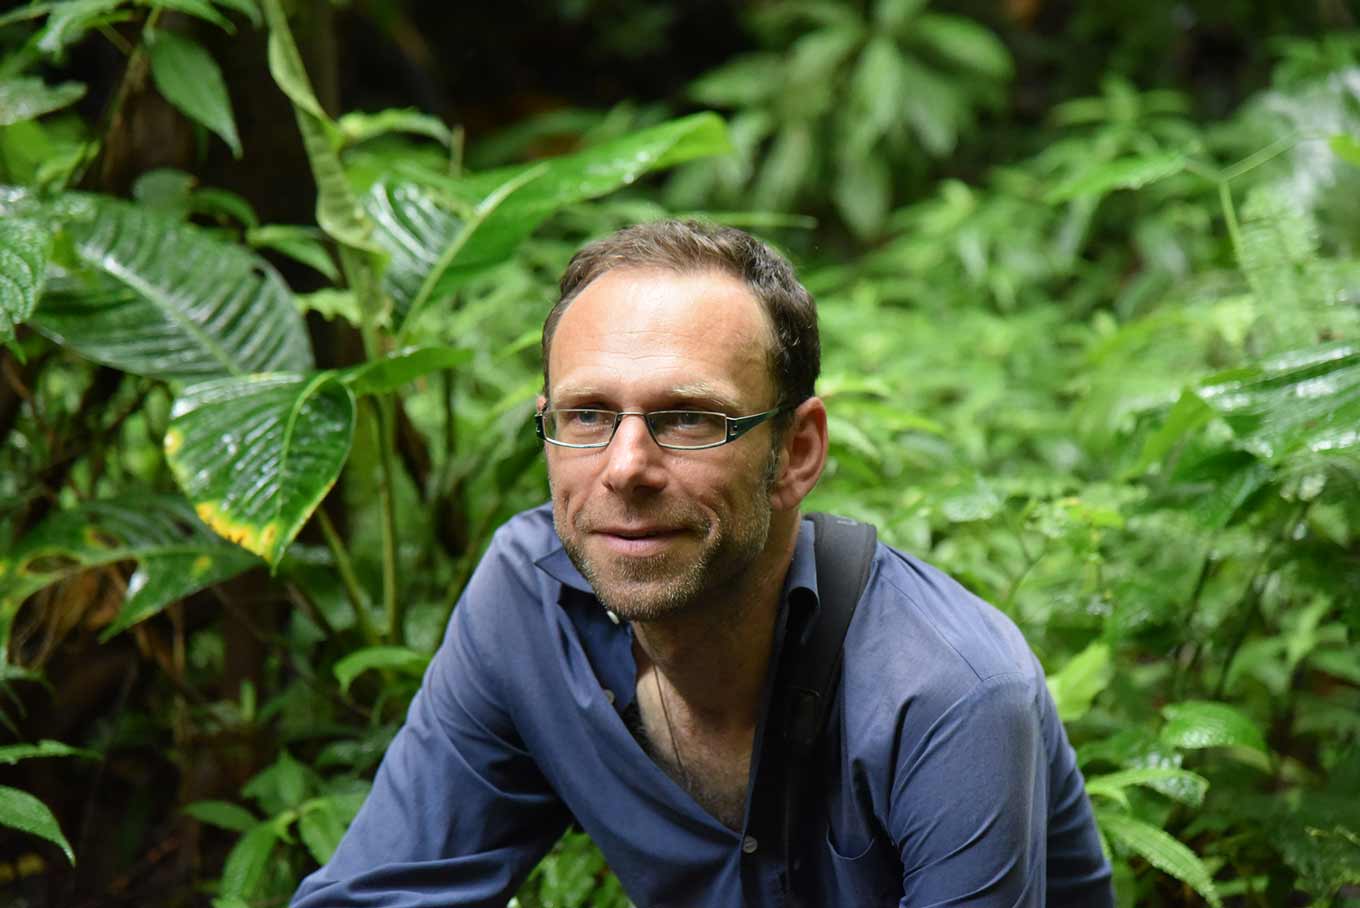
540	403
802	455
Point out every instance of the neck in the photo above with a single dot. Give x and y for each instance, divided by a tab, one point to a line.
715	657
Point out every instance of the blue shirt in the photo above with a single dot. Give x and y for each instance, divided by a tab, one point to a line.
951	781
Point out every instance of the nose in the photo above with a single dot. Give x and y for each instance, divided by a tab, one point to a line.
635	459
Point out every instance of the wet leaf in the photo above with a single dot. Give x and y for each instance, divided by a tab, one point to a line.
256	455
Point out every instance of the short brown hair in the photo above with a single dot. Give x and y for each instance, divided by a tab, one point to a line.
686	247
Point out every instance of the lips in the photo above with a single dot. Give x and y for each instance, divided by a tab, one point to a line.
637	541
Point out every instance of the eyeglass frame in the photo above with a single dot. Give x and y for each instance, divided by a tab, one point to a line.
737	426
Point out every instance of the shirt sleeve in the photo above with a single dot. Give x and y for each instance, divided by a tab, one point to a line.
459	812
969	804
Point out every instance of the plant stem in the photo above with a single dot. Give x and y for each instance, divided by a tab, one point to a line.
392	602
348	579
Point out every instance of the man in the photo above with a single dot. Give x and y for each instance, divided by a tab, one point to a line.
613	658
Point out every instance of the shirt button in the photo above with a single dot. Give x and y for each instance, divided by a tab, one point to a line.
749	844
609	695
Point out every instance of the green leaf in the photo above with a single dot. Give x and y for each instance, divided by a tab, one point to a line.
1300	403
165	189
863	194
256	455
511	208
298	243
199	9
188	77
24	247
390	373
1195	724
741	82
965	43
247	861
69	21
1127	173
222	814
280	786
1345	147
20	810
337	211
397	658
1161	851
1189	414
13	753
322	822
1079	681
176	554
247	8
1186	786
29	98
356	127
330	303
169	300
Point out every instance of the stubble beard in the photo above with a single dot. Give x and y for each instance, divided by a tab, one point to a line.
648	588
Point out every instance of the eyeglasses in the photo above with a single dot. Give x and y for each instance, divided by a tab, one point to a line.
678	430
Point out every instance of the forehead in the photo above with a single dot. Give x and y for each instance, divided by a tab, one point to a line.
654	331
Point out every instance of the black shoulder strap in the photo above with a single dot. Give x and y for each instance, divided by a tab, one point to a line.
844	552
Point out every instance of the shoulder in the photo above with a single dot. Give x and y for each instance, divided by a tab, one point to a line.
922	645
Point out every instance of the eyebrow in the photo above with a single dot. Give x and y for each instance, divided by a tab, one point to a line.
700	392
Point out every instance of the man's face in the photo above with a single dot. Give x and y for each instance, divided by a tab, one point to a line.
656	530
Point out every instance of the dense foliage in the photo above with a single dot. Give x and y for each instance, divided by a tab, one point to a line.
1092	344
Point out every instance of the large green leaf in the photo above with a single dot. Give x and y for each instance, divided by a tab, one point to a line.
28	98
397	658
24	247
417	226
176	554
1079	681
20	810
1184	785
256	455
382	375
322	822
189	78
170	300
13	753
222	814
1307	402
1195	724
1160	850
337	211
248	860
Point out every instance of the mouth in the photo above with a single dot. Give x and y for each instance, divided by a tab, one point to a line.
637	541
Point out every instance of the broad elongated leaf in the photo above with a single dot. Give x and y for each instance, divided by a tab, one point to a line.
20	810
1127	173
170	300
398	658
417	228
69	21
323	821
299	243
199	9
382	375
279	787
356	127
246	863
337	211
23	268
1305	402
1083	677
28	98
1197	724
1160	850
965	43
176	554
222	814
188	77
1185	785
256	455
13	753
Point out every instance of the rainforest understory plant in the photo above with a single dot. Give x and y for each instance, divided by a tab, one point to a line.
1110	380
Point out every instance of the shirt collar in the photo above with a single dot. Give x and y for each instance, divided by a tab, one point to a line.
800	583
